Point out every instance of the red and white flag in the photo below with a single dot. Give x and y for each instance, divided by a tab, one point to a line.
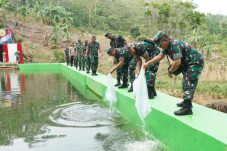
9	50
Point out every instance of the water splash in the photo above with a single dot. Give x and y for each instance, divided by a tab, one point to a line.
142	146
81	115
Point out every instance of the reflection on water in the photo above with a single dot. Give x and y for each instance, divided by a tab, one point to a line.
12	85
44	112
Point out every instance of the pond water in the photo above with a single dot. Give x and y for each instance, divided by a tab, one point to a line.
45	112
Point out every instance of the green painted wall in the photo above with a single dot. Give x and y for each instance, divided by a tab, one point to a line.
205	130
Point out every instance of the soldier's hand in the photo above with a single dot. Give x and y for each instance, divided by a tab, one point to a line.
111	71
137	74
145	65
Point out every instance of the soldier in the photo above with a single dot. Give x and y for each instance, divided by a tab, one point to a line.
116	42
80	55
93	51
124	64
87	60
147	50
67	57
186	60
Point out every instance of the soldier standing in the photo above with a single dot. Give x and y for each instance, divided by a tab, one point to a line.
93	52
186	60
85	55
80	54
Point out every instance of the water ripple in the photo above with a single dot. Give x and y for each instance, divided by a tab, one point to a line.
81	115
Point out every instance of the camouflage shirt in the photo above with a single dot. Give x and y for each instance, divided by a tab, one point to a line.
117	42
144	49
123	54
80	47
93	48
179	49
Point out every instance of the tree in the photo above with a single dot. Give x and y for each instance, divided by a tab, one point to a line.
3	5
24	11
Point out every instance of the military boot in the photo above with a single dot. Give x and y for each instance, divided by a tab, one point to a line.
92	72
181	104
124	84
95	74
150	93
186	109
131	88
153	91
118	83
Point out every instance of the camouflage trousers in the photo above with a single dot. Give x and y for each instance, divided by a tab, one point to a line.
75	61
190	78
128	68
150	74
72	60
67	60
94	62
88	64
81	61
119	75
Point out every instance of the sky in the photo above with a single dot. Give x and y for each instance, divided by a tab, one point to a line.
212	6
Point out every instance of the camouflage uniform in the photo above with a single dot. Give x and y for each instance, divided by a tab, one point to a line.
128	64
191	65
75	59
150	49
118	42
87	60
93	48
80	55
151	72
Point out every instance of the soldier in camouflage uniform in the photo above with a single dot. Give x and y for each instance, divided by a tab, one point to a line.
116	42
148	50
92	52
86	59
186	60
80	54
75	58
125	64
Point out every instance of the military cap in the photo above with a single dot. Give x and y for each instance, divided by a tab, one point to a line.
109	50
107	34
159	35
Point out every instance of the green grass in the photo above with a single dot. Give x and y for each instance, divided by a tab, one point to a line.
215	89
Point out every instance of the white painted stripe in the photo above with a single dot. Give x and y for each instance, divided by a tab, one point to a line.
12	48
